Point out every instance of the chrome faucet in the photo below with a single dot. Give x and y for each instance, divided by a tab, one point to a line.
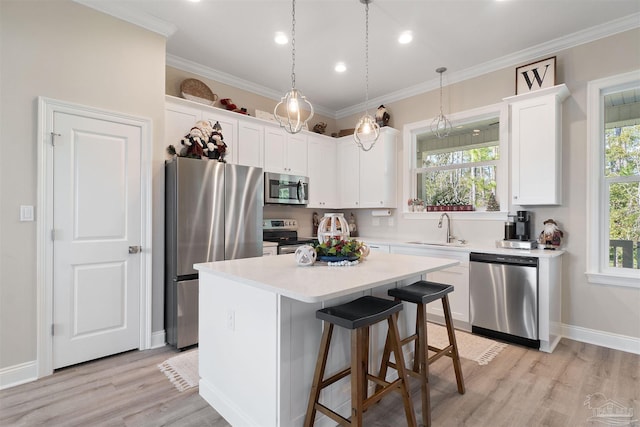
450	238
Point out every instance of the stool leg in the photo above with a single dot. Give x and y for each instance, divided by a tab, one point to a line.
318	375
357	373
365	363
455	355
394	337
384	365
421	348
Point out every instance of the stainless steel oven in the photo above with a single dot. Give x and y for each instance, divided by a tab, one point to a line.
286	189
285	233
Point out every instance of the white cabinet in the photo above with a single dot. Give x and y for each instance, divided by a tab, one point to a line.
251	149
269	248
367	179
348	173
536	146
458	276
322	172
285	153
243	135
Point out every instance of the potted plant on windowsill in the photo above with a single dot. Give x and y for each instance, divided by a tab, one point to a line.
450	198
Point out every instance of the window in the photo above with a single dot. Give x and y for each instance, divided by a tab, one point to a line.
467	168
614	181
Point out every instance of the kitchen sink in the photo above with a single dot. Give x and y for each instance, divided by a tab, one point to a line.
453	244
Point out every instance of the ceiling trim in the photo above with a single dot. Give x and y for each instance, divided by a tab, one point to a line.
143	20
166	29
231	80
524	56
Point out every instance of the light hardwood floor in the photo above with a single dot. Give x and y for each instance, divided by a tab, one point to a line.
520	387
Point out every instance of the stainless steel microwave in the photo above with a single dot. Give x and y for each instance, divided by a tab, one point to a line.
286	189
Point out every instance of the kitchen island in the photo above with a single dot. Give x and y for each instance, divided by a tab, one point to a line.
259	337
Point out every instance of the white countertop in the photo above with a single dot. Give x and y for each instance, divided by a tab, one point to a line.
468	247
320	282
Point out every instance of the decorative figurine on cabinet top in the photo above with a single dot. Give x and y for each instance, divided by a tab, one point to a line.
551	236
382	117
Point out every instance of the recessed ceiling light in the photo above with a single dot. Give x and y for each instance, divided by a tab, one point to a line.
405	37
194	1
281	38
340	67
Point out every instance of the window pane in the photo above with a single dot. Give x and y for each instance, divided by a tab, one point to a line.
481	154
622	151
462	186
624	224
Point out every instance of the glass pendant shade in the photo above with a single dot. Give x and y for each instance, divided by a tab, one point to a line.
293	102
366	133
292	107
367	130
441	126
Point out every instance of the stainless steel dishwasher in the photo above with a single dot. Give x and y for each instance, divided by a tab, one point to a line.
504	297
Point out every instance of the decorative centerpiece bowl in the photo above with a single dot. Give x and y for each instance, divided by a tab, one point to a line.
334	250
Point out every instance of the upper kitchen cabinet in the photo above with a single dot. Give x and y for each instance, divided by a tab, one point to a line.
367	179
285	153
536	146
251	151
322	172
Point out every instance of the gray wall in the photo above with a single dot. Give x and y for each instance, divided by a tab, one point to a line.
62	50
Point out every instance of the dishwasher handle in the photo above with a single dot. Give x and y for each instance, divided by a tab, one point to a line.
504	259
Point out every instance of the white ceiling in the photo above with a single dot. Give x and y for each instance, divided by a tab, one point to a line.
231	41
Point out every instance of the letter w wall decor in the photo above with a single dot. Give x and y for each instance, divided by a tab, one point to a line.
535	76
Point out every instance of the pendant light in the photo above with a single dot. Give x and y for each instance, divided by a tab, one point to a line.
441	126
367	130
294	99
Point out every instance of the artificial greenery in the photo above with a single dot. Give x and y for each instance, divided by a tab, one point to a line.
336	247
492	203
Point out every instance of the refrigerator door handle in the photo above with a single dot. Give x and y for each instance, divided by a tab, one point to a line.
135	249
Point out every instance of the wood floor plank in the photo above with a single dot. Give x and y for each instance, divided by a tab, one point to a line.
519	387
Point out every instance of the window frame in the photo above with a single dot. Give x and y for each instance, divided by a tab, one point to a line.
597	260
411	130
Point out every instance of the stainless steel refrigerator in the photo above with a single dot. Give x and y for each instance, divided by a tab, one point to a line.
213	212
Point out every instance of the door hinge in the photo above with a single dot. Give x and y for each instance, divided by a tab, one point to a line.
53	235
52	328
53	138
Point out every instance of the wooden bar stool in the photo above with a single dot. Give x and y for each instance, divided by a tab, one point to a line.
422	293
358	316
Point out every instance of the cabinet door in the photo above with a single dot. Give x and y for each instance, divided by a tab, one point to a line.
274	150
296	154
322	170
348	174
536	146
250	144
378	173
229	127
178	121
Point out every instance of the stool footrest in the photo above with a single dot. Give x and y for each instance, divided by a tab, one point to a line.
335	377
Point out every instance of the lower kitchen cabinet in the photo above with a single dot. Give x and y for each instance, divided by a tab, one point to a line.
458	276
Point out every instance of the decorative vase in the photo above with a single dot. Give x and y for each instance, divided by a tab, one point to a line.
333	226
305	255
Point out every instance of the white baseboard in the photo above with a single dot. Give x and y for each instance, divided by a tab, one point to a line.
158	339
601	338
18	374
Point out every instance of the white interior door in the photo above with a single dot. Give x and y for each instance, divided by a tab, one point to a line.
97	223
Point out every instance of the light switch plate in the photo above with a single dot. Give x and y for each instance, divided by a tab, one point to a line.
26	213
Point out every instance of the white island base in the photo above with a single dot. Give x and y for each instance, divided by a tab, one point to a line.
259	337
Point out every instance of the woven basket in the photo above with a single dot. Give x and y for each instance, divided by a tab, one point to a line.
195	90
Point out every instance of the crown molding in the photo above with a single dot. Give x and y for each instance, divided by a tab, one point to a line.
527	55
231	80
140	19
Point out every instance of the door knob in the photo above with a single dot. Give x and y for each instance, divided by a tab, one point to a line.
134	249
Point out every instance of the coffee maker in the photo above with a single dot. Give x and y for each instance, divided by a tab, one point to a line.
523	218
517	232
